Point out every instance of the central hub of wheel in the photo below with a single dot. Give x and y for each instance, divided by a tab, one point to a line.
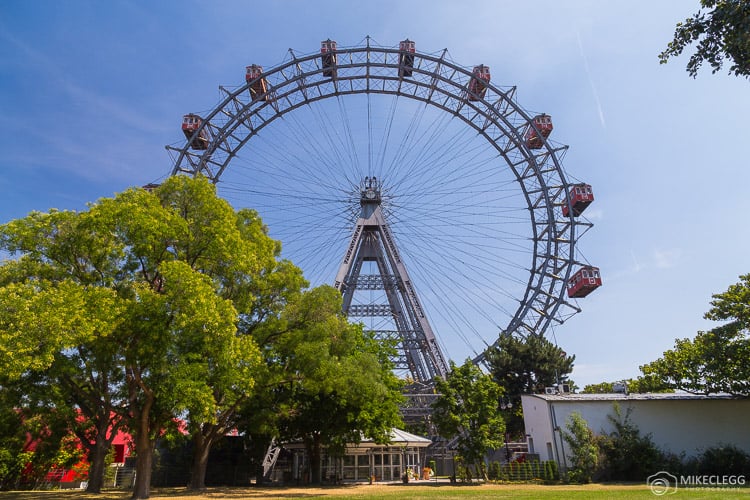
370	191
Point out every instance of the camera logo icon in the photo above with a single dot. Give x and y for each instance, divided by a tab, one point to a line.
662	483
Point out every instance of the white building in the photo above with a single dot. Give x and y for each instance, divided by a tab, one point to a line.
677	422
361	461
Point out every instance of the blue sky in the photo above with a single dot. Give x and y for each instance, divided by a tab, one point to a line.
91	92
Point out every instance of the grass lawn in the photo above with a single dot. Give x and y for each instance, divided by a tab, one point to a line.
400	491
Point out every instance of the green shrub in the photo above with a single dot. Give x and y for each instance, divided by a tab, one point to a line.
626	455
583	446
525	471
724	459
495	471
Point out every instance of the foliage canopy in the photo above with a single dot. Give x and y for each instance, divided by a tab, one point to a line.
715	361
469	408
525	366
721	33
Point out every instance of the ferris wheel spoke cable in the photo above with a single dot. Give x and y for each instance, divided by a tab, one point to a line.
290	200
402	148
454	252
433	150
435	180
350	142
346	158
306	224
415	163
474	267
315	166
442	185
449	223
319	170
485	263
453	313
369	135
403	226
385	141
470	234
449	220
482	264
463	215
440	304
267	169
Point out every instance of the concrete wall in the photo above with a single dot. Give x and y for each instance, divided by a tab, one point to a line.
677	425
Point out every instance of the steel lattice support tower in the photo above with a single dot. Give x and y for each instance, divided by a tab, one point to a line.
372	241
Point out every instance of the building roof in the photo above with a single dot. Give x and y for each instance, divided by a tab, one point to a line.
402	438
652	396
398	438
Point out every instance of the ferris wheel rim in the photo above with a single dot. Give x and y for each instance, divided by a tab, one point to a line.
539	174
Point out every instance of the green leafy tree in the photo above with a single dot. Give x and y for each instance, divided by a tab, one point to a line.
721	33
717	360
194	256
59	312
469	407
639	385
584	450
526	366
12	437
335	381
733	305
243	269
33	439
599	388
146	291
269	324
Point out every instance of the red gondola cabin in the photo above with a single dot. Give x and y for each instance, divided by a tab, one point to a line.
544	124
478	82
407	48
580	197
191	123
584	281
259	85
328	58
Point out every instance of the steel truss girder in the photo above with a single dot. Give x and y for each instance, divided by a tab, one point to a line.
365	310
372	241
441	83
396	338
373	282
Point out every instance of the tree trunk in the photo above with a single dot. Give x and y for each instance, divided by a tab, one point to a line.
315	459
97	458
201	448
260	479
483	472
106	430
144	448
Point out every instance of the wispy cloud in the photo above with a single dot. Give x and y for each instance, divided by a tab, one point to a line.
629	270
116	110
659	259
595	214
636	265
664	259
591	80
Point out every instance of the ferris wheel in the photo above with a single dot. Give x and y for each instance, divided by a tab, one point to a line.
469	186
